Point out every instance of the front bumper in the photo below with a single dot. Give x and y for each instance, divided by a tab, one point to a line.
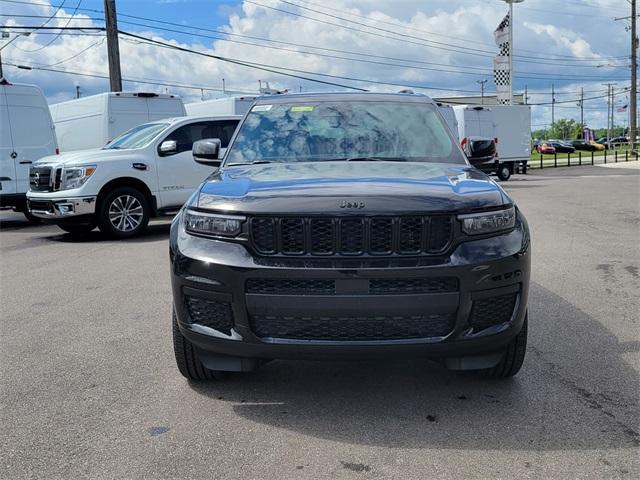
61	209
218	272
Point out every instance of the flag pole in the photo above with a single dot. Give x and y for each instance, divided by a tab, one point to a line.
511	25
511	53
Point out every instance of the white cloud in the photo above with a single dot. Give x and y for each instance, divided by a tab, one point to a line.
467	25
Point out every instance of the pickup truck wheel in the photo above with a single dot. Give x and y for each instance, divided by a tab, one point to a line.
187	359
123	213
33	220
77	230
504	172
513	356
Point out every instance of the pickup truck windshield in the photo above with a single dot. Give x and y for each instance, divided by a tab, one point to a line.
137	137
355	131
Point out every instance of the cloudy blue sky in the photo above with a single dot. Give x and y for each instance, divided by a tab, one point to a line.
441	48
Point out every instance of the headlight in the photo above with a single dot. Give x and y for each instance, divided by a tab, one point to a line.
212	224
488	222
74	177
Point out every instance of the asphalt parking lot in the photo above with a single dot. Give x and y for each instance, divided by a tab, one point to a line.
89	386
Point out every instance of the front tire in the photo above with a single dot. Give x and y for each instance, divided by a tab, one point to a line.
187	359
513	356
33	220
504	172
123	213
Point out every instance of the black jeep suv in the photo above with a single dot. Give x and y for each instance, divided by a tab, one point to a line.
347	226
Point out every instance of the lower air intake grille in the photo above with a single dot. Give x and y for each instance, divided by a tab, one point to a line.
492	311
352	328
210	313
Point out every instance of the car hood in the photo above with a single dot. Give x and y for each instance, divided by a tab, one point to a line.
84	157
349	188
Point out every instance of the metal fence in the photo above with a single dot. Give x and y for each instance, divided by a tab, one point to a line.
582	158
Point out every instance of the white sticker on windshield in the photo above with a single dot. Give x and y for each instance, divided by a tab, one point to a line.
261	108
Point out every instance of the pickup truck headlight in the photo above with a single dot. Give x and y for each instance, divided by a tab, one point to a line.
74	177
488	222
201	223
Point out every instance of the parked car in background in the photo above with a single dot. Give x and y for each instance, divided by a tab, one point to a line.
145	172
619	141
94	121
583	145
561	146
545	148
26	135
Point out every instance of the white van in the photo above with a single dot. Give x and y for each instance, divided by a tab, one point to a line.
26	135
508	125
92	122
221	106
449	117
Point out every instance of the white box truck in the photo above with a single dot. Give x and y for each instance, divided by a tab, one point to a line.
93	121
221	106
508	125
26	135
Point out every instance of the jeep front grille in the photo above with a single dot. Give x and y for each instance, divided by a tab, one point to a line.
382	235
352	328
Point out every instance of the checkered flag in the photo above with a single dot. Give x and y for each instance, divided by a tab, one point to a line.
501	72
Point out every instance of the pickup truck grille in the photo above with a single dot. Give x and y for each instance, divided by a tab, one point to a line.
403	235
40	179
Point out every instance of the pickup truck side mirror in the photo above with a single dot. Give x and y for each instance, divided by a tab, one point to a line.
168	147
481	150
207	152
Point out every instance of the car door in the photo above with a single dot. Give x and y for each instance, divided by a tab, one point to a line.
178	174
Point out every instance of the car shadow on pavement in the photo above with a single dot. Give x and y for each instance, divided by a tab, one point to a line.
157	231
575	392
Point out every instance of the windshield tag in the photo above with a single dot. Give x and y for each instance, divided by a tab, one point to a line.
302	108
261	108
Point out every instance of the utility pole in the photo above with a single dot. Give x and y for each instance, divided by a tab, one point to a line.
582	107
482	82
634	67
609	110
526	95
77	91
633	105
113	49
553	105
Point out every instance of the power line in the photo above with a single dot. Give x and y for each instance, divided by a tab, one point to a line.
55	37
437	45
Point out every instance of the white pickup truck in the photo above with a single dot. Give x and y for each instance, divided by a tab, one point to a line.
147	171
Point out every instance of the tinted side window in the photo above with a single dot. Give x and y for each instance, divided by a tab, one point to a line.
219	129
183	137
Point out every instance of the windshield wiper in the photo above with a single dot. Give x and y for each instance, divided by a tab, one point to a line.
375	159
257	162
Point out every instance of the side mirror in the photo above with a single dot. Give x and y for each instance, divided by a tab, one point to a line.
168	147
207	152
481	150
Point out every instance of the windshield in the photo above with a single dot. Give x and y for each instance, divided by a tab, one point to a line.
137	137
328	130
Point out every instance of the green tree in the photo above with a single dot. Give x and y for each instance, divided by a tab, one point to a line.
566	128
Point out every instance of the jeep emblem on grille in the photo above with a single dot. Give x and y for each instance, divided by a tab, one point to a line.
36	179
346	204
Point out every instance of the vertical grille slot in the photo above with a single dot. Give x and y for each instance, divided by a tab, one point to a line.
351	236
292	235
322	235
440	230
381	235
263	234
411	234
